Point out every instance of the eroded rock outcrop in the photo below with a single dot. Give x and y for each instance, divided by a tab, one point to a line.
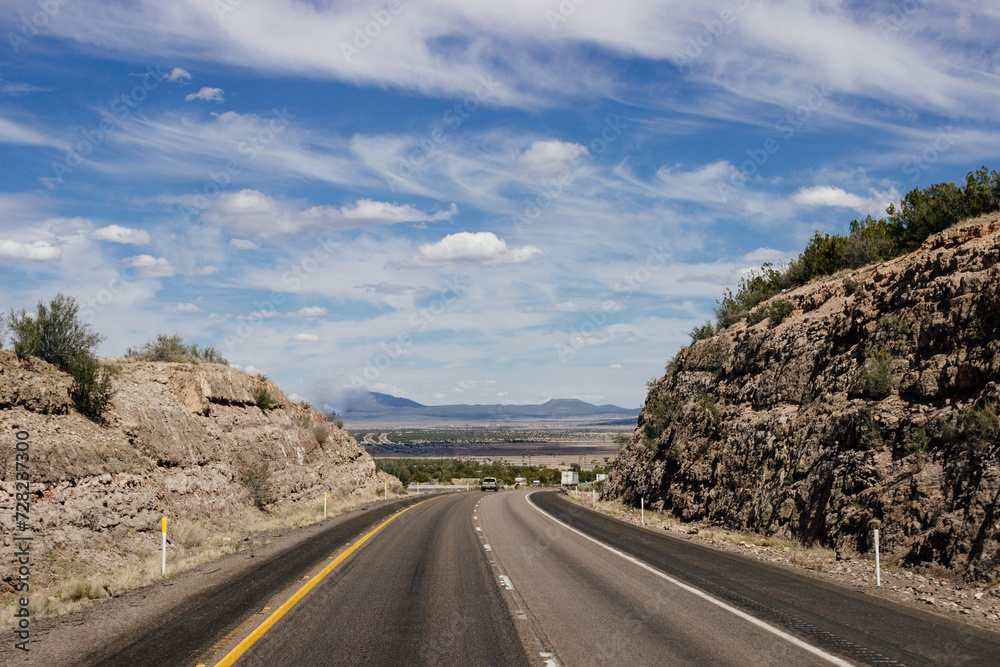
873	405
175	443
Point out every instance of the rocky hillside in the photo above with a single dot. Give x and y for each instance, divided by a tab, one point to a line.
872	404
177	443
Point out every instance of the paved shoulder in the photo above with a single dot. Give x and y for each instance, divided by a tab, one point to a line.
863	628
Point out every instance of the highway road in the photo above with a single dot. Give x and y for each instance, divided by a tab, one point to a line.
522	578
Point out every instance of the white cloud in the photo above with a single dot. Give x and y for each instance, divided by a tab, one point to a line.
311	311
243	244
183	307
147	266
259	315
253	212
308	338
615	366
178	74
828	195
15	133
119	234
37	251
384	212
207	94
761	255
208	270
474	247
548	158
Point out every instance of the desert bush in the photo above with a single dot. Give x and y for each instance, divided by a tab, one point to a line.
321	432
93	388
778	310
876	379
188	533
54	333
173	349
982	426
262	395
707	330
711	409
335	418
256	479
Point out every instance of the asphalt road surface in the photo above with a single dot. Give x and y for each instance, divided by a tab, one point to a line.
521	578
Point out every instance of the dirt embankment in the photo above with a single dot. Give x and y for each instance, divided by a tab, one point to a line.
873	405
177	444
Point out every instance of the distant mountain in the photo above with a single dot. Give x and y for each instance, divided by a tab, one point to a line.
384	408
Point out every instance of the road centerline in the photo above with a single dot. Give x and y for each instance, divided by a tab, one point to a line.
276	615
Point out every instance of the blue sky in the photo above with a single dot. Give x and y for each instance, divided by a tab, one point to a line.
460	201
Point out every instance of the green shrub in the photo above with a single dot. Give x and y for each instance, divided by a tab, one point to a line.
778	310
982	426
711	409
853	287
93	388
262	396
707	330
869	432
876	380
173	349
256	479
53	333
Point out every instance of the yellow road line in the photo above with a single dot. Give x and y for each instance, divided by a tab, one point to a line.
250	639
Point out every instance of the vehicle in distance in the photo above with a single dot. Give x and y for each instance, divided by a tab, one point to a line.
490	484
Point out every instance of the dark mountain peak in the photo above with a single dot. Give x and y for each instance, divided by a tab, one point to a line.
393	401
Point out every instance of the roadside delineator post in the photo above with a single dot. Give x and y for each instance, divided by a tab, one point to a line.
878	566
324	504
593	496
386	485
642	511
163	564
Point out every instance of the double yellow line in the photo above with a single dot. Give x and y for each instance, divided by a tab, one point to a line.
250	639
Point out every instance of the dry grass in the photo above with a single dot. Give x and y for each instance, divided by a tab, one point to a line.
134	561
813	557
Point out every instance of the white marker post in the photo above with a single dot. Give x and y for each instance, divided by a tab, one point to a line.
386	485
878	566
163	566
324	504
642	511
593	496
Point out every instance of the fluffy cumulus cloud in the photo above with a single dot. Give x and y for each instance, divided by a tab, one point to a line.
207	94
179	74
306	338
36	251
475	248
119	234
548	158
147	266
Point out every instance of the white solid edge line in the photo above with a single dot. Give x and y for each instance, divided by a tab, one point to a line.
691	589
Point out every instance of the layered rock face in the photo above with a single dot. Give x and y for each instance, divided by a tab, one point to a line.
873	405
176	442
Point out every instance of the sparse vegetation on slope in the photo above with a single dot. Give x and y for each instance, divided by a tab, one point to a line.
172	348
920	214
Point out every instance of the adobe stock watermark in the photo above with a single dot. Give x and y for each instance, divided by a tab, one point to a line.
420	152
393	349
372	30
899	16
118	111
921	162
553	189
715	28
787	127
249	149
625	289
564	10
31	27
